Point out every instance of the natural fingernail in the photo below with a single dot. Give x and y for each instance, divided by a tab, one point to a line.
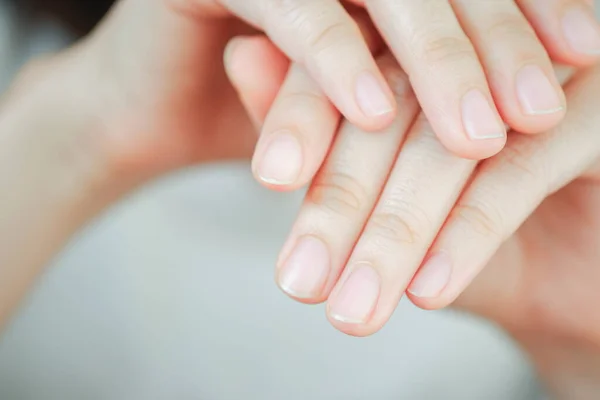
536	93
479	119
433	277
581	30
371	96
355	302
282	161
229	50
306	270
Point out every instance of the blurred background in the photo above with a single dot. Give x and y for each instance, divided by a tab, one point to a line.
170	295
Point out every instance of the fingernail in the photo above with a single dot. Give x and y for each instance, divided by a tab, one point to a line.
433	277
480	120
282	161
536	93
229	49
355	302
371	96
581	30
306	270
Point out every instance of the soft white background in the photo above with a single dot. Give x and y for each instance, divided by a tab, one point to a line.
170	296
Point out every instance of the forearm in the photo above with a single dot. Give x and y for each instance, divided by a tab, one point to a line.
54	174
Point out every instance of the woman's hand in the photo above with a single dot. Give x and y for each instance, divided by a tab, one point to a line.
397	213
161	89
472	64
380	209
449	70
146	93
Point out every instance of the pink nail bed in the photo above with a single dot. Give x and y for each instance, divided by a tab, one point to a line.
371	97
433	277
356	300
306	270
582	31
479	118
282	161
536	93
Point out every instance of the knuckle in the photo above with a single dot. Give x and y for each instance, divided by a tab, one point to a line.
330	36
303	103
519	160
329	40
446	49
399	224
506	25
526	164
339	193
481	217
318	28
286	14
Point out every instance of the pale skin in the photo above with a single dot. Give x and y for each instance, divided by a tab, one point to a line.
83	128
518	233
472	64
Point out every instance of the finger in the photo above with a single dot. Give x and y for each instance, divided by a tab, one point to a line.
299	128
256	69
321	35
568	29
518	68
296	134
423	186
341	199
506	190
445	71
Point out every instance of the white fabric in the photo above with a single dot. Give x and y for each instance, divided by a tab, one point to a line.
171	296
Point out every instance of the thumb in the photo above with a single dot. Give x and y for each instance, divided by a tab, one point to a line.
256	69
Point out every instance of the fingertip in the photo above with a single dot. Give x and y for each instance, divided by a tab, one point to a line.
567	57
256	69
240	50
298	297
581	31
275	186
376	102
279	160
474	150
428	303
569	31
431	281
351	328
540	98
478	132
539	123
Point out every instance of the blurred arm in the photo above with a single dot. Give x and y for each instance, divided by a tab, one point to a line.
54	172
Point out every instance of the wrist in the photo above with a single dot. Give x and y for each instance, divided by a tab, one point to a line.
569	368
52	120
52	171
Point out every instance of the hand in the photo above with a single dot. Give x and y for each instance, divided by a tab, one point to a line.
161	90
457	75
524	223
144	94
368	223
